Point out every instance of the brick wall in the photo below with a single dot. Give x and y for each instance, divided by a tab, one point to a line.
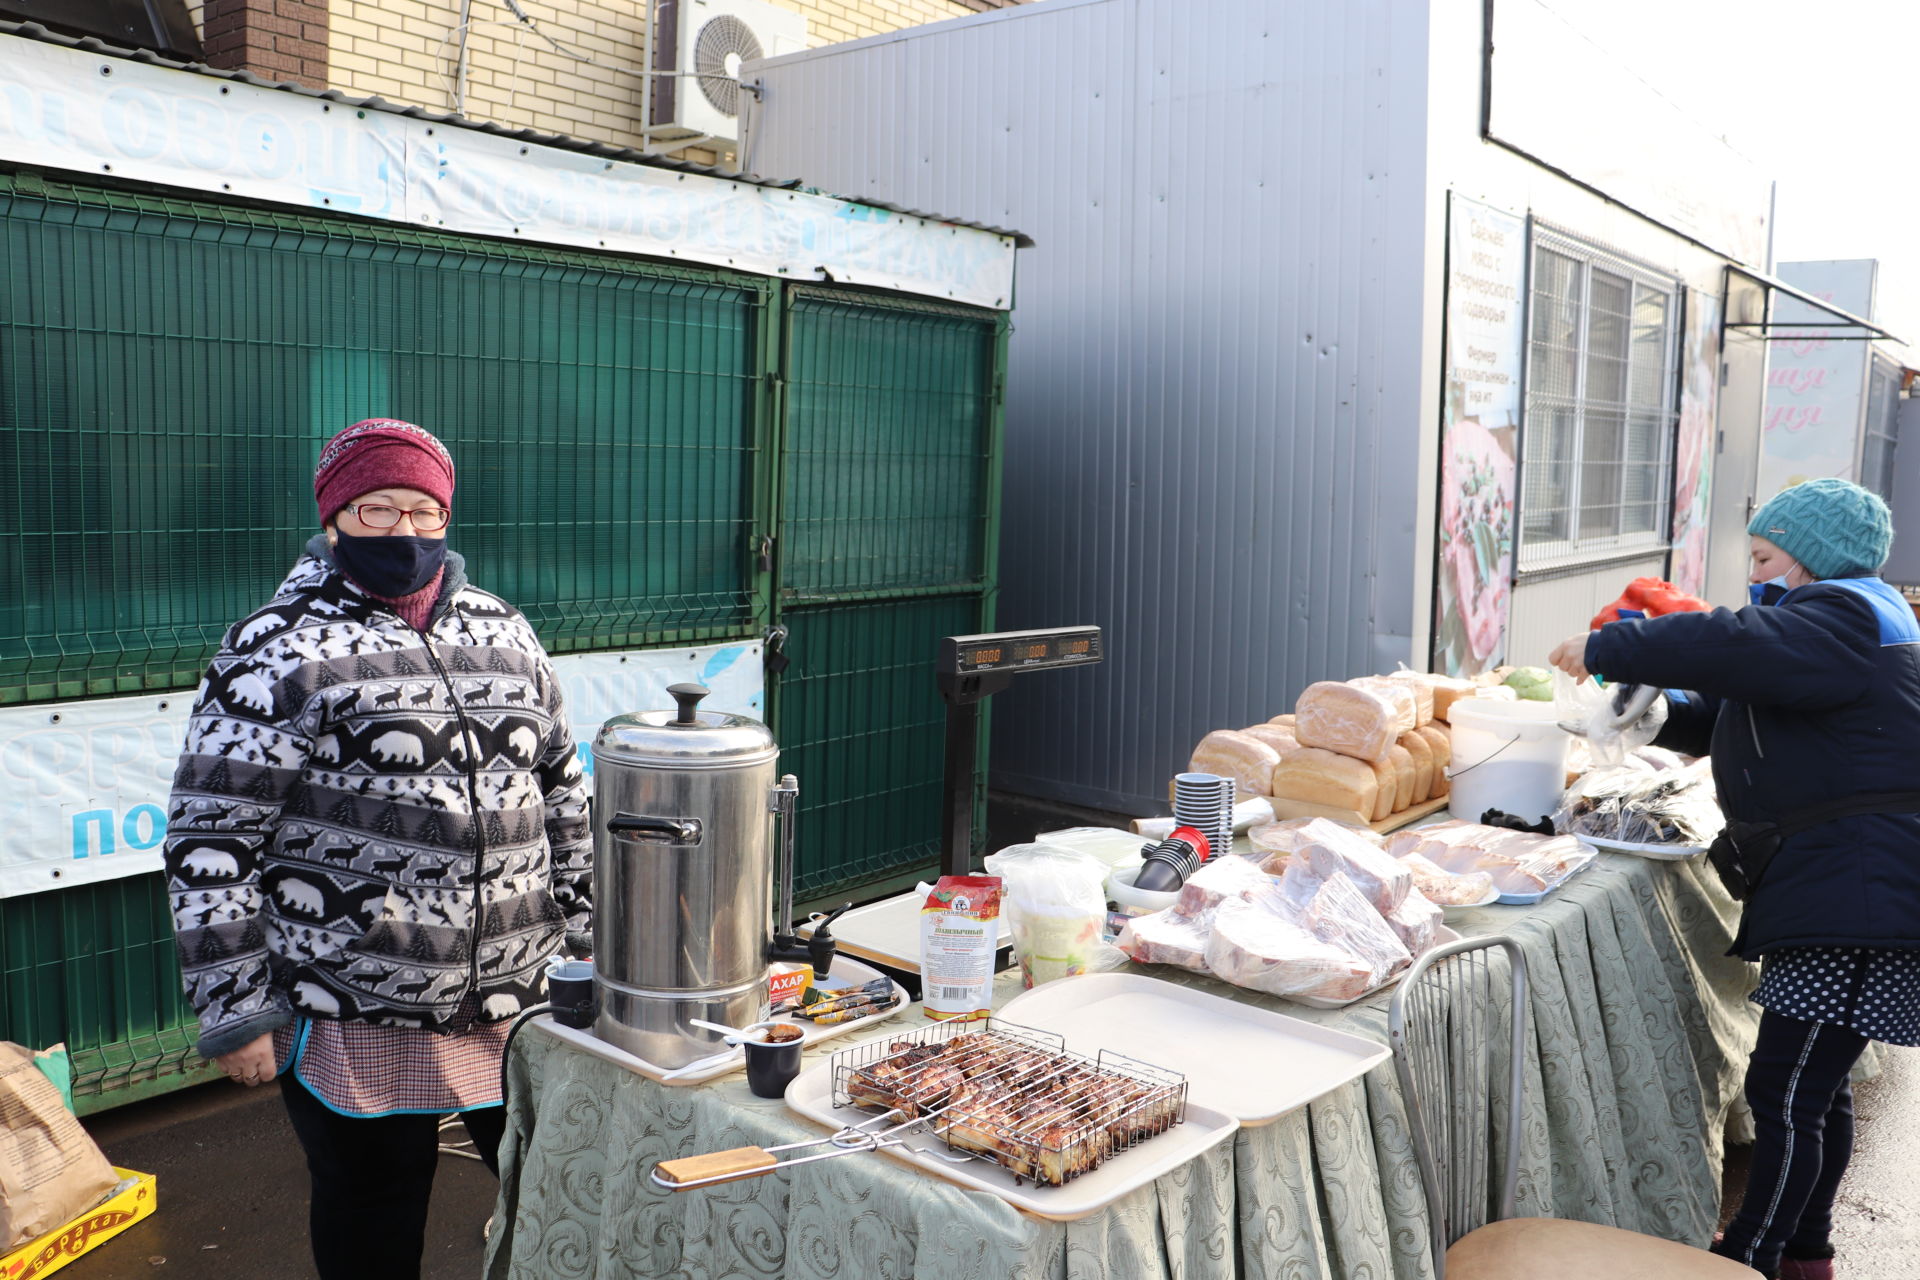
277	39
406	51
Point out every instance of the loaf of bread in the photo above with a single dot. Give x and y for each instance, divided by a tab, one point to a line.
1283	722
1279	737
1422	687
1315	776
1441	740
1416	745
1406	704
1444	690
1402	761
1349	719
1248	761
1389	779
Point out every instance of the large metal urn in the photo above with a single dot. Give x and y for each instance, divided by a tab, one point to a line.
683	850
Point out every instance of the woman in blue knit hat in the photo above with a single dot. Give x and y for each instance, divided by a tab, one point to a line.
1809	703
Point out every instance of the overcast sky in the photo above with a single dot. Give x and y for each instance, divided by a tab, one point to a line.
1824	97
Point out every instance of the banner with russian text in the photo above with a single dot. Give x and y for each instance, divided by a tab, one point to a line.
83	785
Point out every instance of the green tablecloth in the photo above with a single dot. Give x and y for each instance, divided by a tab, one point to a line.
1641	1029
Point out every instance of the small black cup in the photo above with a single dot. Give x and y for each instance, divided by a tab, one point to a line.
570	992
772	1067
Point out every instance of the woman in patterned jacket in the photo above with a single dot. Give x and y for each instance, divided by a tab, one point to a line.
377	837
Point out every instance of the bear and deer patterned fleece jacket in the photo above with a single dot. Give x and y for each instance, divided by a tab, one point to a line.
374	823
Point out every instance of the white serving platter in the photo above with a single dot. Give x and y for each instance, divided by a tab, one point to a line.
1658	852
1453	911
811	1095
1250	1063
888	931
846	971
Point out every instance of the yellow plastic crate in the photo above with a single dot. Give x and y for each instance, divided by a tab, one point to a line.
90	1230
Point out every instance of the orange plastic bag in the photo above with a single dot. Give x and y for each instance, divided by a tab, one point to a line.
1649	598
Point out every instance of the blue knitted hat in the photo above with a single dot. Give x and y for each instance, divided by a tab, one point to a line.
1835	529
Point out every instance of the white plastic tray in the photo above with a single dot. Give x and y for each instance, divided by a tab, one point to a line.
1658	852
846	971
811	1094
1250	1063
1441	937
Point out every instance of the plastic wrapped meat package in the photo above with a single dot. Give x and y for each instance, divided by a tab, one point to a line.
1219	879
1168	937
1441	886
1275	842
1336	947
1518	862
1641	802
1264	947
1381	878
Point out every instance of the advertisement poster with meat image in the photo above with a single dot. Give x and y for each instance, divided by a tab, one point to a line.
1693	486
1480	419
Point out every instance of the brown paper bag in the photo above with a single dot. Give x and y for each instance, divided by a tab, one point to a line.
50	1169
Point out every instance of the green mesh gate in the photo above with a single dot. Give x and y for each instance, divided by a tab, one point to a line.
888	495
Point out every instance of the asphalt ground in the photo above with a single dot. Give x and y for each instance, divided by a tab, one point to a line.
232	1189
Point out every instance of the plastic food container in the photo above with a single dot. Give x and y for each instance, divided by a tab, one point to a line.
1132	901
1510	756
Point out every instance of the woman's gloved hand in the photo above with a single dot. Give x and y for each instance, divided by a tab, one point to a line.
1570	655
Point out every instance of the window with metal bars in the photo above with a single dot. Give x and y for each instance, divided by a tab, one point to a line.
1883	419
1596	444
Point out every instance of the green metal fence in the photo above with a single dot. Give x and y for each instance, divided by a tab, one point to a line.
171	368
95	966
864	734
888	436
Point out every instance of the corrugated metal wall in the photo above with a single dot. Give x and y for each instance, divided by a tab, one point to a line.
1213	410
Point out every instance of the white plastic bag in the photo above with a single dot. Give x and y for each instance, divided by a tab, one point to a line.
1638	803
1594	711
1057	907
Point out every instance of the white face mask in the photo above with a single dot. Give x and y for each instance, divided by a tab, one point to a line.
1770	591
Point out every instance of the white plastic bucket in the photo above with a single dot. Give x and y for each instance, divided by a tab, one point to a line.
1510	756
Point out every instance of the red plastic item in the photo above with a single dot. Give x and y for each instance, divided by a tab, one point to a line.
1650	597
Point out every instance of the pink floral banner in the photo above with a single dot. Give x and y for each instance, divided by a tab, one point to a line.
1480	420
1693	482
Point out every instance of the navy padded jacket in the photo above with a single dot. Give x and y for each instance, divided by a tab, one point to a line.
1801	703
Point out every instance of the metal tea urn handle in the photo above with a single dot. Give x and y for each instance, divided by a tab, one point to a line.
673	830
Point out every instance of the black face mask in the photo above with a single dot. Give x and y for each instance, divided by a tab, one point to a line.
390	567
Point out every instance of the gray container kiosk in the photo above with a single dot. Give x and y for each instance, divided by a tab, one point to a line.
1230	367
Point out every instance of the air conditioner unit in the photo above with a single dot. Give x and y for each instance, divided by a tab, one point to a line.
707	40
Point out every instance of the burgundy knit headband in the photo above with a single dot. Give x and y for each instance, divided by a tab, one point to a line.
381	453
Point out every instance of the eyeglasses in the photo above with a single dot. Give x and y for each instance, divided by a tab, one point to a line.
378	516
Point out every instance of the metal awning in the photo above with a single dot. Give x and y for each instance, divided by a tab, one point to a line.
1857	329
